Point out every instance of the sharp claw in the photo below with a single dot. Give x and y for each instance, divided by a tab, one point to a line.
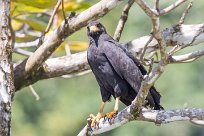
105	118
111	115
92	116
96	125
94	120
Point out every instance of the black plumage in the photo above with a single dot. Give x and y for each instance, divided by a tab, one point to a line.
117	72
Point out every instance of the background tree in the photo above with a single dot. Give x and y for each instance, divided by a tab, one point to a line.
39	30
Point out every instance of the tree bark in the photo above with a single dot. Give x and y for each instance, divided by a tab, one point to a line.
6	69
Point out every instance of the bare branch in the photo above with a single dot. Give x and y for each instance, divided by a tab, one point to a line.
122	20
181	35
157	5
26	44
54	67
185	13
186	57
144	50
52	16
34	92
77	74
67	48
22	52
155	116
146	8
41	39
171	7
64	15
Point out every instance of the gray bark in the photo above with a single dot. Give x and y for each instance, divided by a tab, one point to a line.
6	70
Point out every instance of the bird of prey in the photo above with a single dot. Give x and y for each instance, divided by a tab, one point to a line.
116	70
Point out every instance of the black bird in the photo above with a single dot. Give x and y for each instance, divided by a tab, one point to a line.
117	71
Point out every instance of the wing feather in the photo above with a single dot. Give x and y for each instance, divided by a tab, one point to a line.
123	65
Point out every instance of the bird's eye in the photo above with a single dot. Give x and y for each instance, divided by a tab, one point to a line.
88	28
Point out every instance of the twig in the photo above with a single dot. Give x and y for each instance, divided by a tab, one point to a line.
171	7
64	12
52	16
185	13
49	23
77	74
122	21
34	93
186	57
174	50
197	122
67	49
22	52
157	5
150	66
26	44
146	8
144	50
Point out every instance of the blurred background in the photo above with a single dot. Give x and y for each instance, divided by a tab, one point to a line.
65	104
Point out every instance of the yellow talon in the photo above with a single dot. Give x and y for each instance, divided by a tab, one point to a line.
95	119
111	115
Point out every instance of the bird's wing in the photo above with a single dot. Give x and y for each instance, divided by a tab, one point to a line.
123	65
141	67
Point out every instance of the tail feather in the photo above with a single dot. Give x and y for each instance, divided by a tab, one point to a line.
156	97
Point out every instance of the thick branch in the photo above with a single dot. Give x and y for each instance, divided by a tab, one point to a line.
54	67
155	116
181	35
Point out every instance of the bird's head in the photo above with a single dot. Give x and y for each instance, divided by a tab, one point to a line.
95	28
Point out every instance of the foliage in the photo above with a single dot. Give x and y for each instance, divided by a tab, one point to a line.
33	16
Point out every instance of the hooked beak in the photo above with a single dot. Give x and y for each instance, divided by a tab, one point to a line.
94	29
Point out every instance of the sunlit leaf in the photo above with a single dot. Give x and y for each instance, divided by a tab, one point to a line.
70	6
16	25
74	46
20	8
78	45
43	4
34	23
25	38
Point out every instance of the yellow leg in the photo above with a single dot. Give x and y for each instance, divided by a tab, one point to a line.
98	116
110	115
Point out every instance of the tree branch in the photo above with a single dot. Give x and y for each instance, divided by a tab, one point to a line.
182	35
186	57
52	16
149	11
55	67
122	21
171	7
185	13
155	116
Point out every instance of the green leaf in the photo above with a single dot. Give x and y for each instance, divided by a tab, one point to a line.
43	4
34	23
74	46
